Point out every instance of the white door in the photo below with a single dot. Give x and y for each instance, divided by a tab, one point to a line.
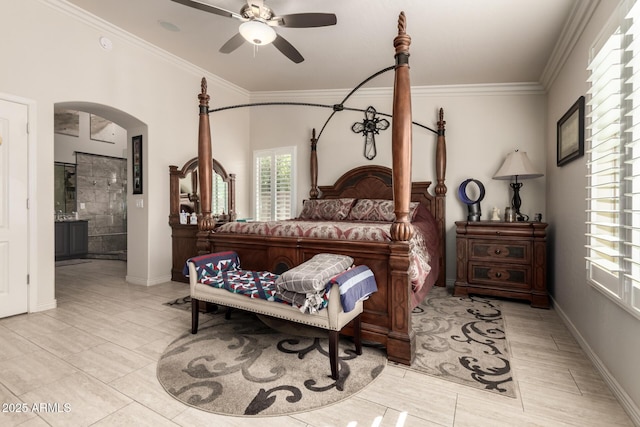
13	208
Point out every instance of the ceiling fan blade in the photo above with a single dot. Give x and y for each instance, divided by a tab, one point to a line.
287	49
232	44
208	8
306	20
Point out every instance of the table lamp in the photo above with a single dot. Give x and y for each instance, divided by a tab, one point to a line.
517	166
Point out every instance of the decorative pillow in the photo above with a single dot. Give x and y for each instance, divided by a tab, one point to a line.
376	210
313	275
327	209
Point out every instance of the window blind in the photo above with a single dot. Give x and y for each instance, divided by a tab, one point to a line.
274	184
613	163
220	195
631	166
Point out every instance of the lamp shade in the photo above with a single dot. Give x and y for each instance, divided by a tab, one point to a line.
258	33
517	164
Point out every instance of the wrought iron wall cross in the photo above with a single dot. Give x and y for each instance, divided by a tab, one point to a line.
369	127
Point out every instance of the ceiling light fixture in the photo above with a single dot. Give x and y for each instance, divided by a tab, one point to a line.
257	32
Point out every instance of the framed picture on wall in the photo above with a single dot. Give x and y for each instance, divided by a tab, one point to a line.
136	164
570	133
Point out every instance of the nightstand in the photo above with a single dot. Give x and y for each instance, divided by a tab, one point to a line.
503	259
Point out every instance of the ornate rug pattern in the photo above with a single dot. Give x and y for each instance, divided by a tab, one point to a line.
243	367
463	340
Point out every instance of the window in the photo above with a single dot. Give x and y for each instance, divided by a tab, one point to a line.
220	195
613	161
274	189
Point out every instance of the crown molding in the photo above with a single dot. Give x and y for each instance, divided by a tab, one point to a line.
493	89
498	89
97	23
578	20
330	95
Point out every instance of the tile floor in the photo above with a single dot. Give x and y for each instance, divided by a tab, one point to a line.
93	359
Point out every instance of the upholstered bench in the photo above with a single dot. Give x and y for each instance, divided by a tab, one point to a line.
211	279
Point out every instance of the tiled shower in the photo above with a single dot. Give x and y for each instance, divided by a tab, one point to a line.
102	199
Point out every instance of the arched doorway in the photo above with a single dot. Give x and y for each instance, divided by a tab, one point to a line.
101	163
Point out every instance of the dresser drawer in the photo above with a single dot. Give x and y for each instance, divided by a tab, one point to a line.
500	251
508	276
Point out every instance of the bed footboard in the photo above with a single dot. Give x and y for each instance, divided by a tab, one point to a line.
381	323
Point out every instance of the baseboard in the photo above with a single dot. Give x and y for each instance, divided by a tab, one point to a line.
627	403
148	282
43	307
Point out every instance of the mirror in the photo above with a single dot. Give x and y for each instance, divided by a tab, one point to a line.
185	194
64	187
189	192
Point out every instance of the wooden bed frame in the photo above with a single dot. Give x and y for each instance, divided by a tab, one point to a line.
387	314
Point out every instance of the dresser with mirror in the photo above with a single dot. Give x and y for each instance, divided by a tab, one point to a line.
185	198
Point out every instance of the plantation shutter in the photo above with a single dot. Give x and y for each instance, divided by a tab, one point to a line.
220	195
603	165
274	185
283	187
263	188
613	160
631	201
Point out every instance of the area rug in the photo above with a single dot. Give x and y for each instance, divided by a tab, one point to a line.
183	303
463	340
243	367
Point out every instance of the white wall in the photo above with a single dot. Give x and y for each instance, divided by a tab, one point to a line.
483	125
610	334
54	57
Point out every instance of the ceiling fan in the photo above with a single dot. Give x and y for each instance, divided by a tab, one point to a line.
257	25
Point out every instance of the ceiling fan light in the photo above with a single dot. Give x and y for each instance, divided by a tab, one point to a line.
258	33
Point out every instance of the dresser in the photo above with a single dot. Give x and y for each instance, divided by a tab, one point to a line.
503	259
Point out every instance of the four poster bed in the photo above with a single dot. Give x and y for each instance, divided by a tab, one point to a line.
394	245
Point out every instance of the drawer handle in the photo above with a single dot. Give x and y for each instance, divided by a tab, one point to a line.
498	275
498	251
498	233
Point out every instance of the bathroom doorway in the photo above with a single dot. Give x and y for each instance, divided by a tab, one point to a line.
92	145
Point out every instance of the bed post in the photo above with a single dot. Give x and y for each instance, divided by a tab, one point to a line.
401	229
401	342
205	171
313	167
441	193
205	167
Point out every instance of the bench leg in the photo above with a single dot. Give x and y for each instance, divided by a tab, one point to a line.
334	337
357	334
194	315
